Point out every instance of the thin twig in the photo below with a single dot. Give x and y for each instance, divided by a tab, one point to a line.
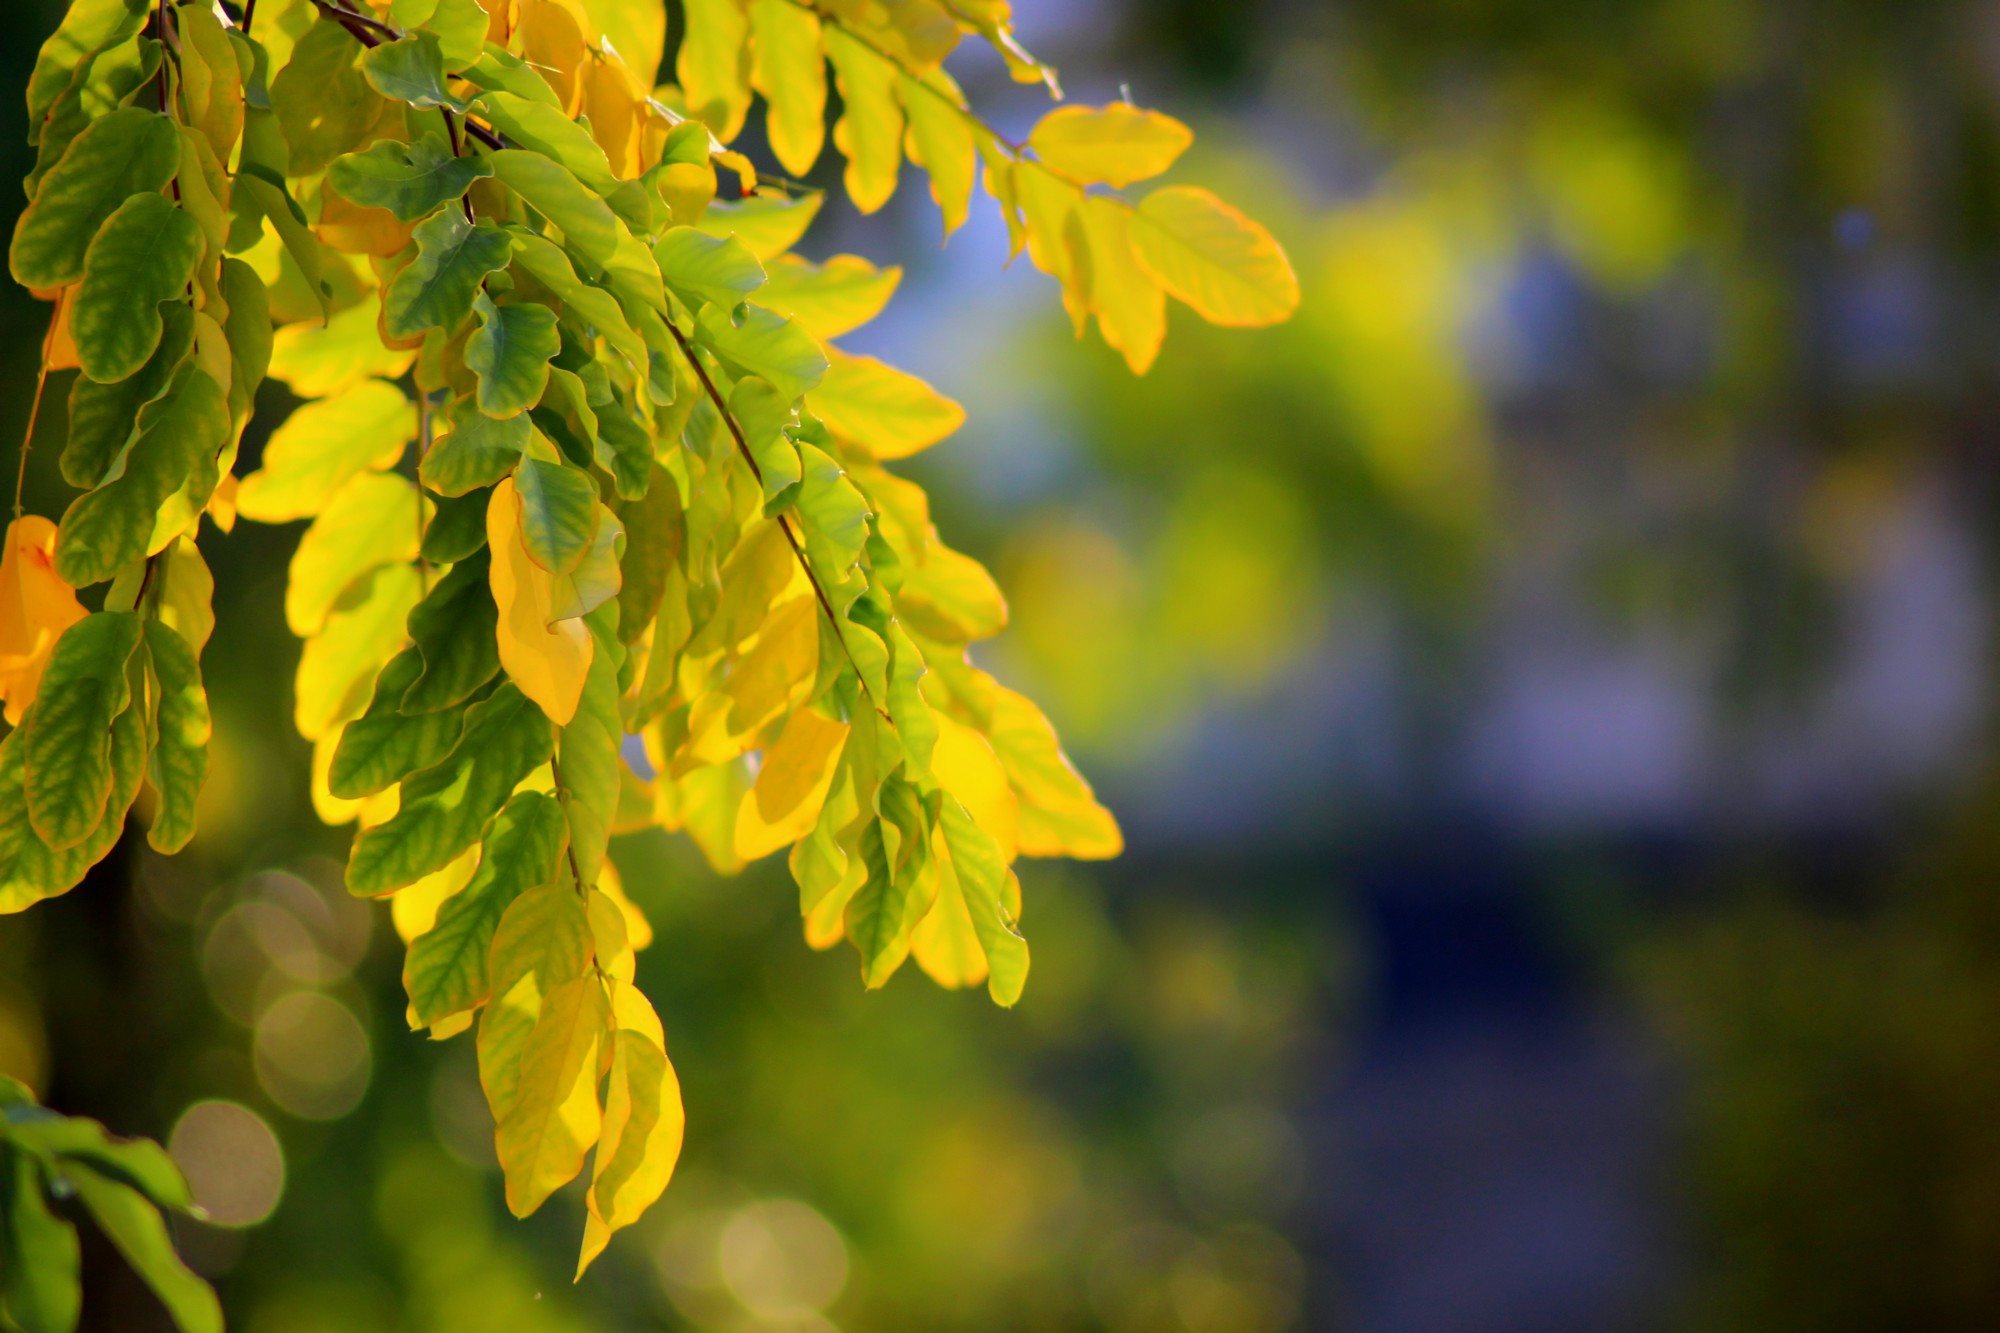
35	408
798	549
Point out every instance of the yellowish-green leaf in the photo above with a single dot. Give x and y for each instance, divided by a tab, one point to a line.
544	129
445	808
643	1125
181	730
66	741
320	360
145	254
478	452
384	745
29	870
408	179
510	353
435	289
140	1234
830	299
324	444
123	153
870	131
370	522
555	1117
1215	259
445	971
941	142
789	68
768	223
553	190
110	527
410	69
339	664
104	417
887	412
714	64
703	267
762	343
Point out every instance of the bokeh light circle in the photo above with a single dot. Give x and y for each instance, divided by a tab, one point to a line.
780	1257
312	1056
232	1162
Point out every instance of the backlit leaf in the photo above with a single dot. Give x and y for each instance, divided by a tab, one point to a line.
830	299
714	65
478	452
140	1234
546	657
446	807
1214	258
324	444
642	1129
384	745
39	1255
181	730
553	190
1113	145
700	267
870	130
554	1117
408	179
763	344
885	411
371	521
941	142
145	254
338	667
411	70
36	606
789	68
103	417
66	737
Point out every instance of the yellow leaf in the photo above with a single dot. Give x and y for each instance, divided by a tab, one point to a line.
705	804
945	944
323	444
554	1117
788	68
1131	309
638	930
1215	259
549	36
1113	145
870	131
354	229
828	299
886	412
372	521
638	33
327	359
772	676
1048	204
187	593
644	1123
608	937
414	909
791	785
712	64
337	669
547	658
543	940
965	765
616	107
1059	814
36	606
62	343
941	142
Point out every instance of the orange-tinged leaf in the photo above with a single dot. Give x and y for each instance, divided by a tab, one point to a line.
547	658
36	606
1113	145
1209	255
616	107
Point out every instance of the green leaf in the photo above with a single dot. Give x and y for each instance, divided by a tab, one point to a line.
181	730
457	530
544	129
982	875
140	1163
553	190
767	224
136	1228
624	446
67	732
699	267
655	532
266	195
764	413
554	1117
29	870
454	628
558	513
594	306
411	70
324	444
104	417
144	255
478	452
460	26
436	289
445	972
758	342
103	80
445	807
500	70
122	153
385	745
886	908
588	748
40	1289
835	514
371	521
87	25
410	179
510	352
109	527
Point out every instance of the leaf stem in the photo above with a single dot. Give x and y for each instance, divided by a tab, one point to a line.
35	407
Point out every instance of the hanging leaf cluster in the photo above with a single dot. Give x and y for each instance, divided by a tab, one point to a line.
602	527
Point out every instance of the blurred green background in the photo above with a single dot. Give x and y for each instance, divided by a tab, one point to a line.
1547	687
